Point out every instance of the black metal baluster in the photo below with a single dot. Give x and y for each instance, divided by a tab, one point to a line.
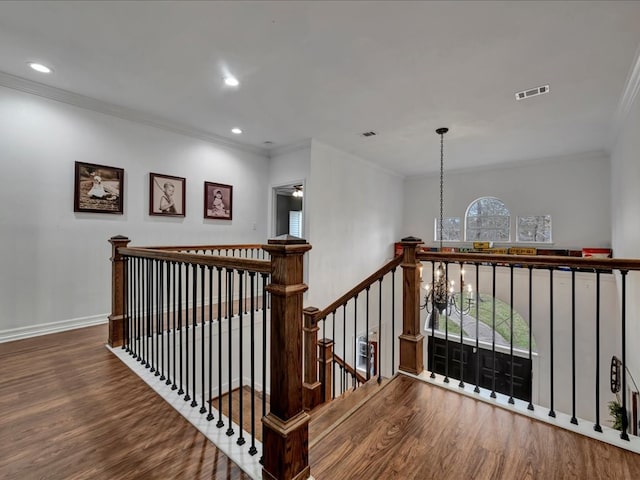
210	399
477	352
168	320
461	383
187	397
343	383
355	336
140	304
203	408
180	329
625	419
126	307
253	450
157	336
434	314
134	299
530	406
132	305
511	401
380	331
230	359
446	325
574	420
552	412
333	355
161	303
393	321
153	317
597	426
175	327
194	311
148	340
493	333
241	440
367	338
220	422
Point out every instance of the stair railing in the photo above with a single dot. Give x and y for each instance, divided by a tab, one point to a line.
196	320
579	306
344	343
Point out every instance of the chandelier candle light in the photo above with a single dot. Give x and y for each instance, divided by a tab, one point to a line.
440	297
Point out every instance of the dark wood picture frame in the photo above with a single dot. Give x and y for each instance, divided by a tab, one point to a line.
218	201
167	195
98	188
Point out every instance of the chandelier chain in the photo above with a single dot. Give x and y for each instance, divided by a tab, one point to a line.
441	185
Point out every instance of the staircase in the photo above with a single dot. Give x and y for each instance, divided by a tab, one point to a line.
326	417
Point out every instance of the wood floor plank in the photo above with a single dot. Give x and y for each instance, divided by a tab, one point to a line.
69	409
412	430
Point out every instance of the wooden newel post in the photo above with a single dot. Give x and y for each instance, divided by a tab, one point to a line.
326	368
286	426
310	384
411	340
116	319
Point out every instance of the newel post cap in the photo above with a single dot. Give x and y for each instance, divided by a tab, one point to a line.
411	239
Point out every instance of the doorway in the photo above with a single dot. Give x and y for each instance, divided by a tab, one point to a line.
288	207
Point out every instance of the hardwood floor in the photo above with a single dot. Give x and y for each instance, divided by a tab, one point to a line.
69	409
246	409
412	430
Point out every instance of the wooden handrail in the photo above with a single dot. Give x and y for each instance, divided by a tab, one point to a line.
588	263
360	287
354	373
245	246
246	264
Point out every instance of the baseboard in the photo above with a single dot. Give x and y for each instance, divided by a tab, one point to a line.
53	327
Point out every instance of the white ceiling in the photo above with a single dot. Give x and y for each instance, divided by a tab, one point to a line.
332	70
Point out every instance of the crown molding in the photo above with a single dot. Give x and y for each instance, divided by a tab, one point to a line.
291	147
125	113
629	95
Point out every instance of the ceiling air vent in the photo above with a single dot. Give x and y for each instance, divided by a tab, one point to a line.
368	134
532	92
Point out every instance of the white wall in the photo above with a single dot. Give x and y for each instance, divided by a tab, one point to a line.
625	214
573	190
54	263
354	213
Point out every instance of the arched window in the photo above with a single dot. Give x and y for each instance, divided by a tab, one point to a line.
487	220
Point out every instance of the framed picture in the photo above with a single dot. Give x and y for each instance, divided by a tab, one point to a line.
218	201
98	188
167	195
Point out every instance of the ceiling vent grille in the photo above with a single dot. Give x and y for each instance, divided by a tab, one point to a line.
532	92
368	134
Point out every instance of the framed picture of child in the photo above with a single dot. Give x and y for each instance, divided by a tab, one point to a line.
167	195
98	188
218	201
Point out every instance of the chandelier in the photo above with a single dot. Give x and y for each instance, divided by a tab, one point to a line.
441	297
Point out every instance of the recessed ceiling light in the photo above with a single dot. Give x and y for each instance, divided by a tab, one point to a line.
231	81
38	67
236	130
